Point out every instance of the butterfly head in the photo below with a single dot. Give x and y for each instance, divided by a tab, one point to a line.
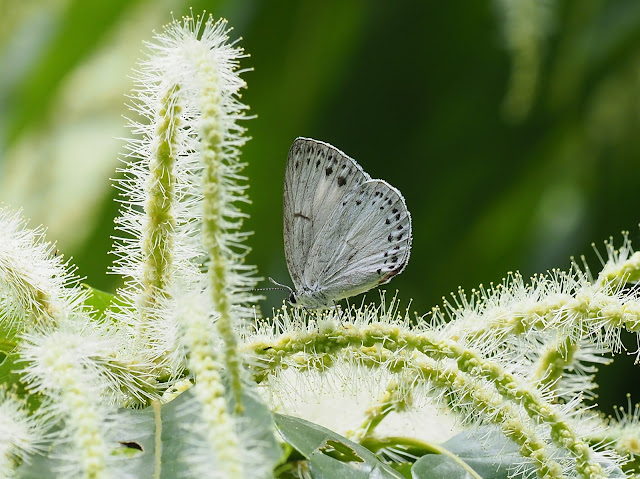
311	299
293	297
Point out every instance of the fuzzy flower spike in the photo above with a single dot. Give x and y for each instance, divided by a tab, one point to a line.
35	283
21	433
77	366
182	182
518	355
184	246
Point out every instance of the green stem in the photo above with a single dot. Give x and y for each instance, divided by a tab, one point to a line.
391	400
554	361
158	240
157	415
417	448
214	200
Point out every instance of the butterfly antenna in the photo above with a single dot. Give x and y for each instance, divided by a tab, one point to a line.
287	288
281	287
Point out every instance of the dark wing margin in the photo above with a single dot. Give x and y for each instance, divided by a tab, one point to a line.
365	243
317	177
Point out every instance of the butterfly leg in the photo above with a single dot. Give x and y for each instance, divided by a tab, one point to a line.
339	309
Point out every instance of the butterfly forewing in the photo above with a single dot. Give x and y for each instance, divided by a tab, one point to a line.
317	178
365	242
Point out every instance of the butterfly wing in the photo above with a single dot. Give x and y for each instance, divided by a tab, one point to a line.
365	242
317	178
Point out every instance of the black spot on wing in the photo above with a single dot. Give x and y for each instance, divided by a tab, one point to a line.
328	171
341	180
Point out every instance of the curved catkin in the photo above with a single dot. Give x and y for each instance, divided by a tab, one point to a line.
378	339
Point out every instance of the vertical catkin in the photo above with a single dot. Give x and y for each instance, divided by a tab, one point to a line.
157	214
183	185
157	239
215	83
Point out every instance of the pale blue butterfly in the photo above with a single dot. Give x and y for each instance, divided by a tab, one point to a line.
344	233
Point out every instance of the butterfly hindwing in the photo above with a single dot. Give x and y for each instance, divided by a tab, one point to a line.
317	178
365	242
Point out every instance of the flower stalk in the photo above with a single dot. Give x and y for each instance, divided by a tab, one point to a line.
158	239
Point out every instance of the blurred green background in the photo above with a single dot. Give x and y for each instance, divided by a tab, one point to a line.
512	126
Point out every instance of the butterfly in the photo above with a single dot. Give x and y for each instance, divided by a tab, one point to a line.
344	233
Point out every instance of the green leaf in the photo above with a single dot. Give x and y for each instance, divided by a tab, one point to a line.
436	466
176	418
330	455
11	378
404	468
101	301
136	433
484	453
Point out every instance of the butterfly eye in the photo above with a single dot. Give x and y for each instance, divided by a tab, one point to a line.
292	298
